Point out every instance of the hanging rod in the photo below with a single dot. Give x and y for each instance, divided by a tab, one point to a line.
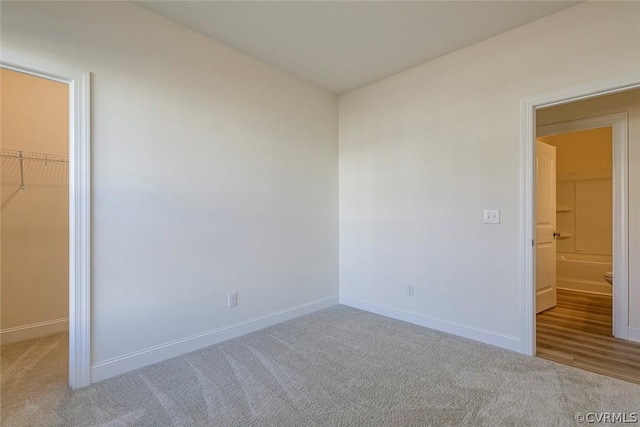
31	156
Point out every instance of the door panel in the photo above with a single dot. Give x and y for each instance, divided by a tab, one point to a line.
545	226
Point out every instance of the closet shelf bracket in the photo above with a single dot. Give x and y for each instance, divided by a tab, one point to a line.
21	171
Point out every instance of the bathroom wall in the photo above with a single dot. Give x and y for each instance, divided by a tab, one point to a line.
34	221
584	167
584	207
628	102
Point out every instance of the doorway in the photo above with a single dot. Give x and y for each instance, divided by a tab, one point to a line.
562	113
574	327
77	82
35	231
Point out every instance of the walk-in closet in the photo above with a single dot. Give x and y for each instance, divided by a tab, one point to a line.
34	154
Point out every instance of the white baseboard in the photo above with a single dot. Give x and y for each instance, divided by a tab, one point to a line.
128	362
584	292
35	330
634	334
466	331
583	286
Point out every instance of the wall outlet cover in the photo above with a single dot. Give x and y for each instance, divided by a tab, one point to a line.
492	216
232	299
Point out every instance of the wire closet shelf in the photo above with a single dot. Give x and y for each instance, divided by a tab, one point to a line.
28	155
23	156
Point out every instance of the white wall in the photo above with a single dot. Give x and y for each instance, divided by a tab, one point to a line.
422	153
35	221
628	102
212	173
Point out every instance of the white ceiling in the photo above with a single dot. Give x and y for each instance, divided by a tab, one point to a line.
343	45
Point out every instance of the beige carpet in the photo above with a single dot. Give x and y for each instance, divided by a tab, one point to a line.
336	367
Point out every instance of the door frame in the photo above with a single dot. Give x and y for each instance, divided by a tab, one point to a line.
619	126
528	107
79	201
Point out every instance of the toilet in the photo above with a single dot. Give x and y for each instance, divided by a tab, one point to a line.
608	276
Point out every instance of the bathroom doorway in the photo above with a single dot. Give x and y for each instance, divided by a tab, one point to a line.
576	326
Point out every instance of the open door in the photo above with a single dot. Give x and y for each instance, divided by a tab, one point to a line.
545	226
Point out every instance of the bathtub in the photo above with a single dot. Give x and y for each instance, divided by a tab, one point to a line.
583	272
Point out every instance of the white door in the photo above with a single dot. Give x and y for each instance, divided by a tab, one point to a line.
545	226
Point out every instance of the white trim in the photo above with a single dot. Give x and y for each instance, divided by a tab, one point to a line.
79	201
35	330
619	124
528	107
634	334
608	120
459	329
128	362
584	287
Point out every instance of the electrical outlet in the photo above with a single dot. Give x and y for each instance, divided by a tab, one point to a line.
410	290
492	216
232	299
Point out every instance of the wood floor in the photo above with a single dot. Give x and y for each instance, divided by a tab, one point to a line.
577	332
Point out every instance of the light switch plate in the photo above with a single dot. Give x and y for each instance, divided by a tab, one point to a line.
492	216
